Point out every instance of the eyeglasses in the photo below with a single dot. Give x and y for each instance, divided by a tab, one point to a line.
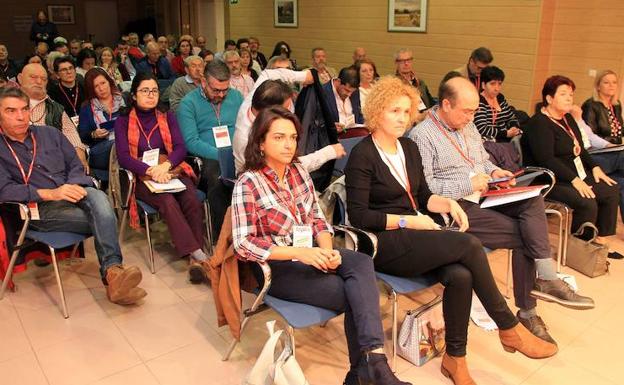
147	91
404	61
218	91
66	69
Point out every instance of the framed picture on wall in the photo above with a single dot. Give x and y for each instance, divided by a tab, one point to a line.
61	14
407	15
285	13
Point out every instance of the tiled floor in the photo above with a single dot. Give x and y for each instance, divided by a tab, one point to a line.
173	337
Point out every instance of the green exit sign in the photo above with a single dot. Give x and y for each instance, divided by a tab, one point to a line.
233	1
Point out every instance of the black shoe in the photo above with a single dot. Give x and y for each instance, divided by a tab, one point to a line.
352	378
537	327
377	371
560	292
40	262
615	255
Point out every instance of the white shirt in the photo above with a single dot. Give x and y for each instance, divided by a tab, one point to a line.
344	107
396	163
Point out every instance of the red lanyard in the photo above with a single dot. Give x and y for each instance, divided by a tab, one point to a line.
568	130
292	207
151	132
217	112
69	100
408	186
19	163
95	117
466	155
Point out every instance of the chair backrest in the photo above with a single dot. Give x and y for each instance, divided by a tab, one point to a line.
348	145
226	163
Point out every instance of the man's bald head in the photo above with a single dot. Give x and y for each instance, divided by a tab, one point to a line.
34	80
459	100
153	51
359	54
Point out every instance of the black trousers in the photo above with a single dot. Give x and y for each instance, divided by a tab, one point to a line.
459	262
601	211
520	226
352	290
218	194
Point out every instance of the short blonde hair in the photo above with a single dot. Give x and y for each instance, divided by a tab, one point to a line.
597	81
386	90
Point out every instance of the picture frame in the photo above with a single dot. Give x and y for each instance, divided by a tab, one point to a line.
285	13
407	15
61	14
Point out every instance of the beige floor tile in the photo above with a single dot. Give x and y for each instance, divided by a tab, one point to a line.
23	369
85	360
559	371
161	332
138	375
175	276
13	339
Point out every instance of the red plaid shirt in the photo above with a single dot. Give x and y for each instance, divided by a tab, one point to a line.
262	211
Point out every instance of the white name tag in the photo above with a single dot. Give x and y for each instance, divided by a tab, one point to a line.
75	120
111	135
150	157
302	236
221	136
350	121
421	106
580	170
33	207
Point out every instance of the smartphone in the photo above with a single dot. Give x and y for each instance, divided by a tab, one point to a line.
505	178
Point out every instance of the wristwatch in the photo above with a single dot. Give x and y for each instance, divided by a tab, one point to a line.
402	222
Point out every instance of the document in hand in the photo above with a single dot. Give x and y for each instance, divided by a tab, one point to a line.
616	148
513	194
173	186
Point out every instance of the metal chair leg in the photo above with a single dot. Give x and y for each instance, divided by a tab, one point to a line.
395	309
209	234
59	282
291	335
566	232
149	244
9	274
122	226
234	342
509	273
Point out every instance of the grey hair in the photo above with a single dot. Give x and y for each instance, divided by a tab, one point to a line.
403	50
189	59
13	92
228	54
217	69
273	61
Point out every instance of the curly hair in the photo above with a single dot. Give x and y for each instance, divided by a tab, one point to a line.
386	90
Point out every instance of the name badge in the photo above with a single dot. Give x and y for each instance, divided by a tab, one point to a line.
302	236
580	170
350	121
75	120
221	136
150	157
33	207
422	106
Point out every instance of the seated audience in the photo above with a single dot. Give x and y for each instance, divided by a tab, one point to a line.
478	60
387	194
242	43
229	45
133	50
8	67
97	118
43	30
126	64
553	140
108	62
274	185
52	77
69	91
46	112
183	51
194	67
206	113
238	80
495	119
208	56
319	62
86	60
164	50
147	127
157	64
367	72
61	47
359	54
42	50
283	49
256	55
247	64
603	111
403	60
87	45
75	45
342	95
148	37
63	195
456	166
200	45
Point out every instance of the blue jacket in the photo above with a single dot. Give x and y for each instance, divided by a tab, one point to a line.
163	68
333	108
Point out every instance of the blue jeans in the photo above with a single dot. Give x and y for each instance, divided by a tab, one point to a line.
612	163
92	215
99	155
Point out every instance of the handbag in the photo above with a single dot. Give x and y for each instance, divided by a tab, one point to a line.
587	257
421	337
283	370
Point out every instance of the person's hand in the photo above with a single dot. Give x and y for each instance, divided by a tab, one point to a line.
459	215
339	149
479	182
67	192
99	133
340	127
315	256
160	173
600	175
500	173
576	112
335	260
513	131
162	178
583	188
421	222
82	156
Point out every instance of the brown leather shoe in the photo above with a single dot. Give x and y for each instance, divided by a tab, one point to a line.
520	339
558	291
537	327
199	271
121	280
134	295
456	369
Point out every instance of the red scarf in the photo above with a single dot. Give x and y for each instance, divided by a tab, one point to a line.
134	135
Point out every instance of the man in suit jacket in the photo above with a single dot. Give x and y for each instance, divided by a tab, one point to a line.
342	96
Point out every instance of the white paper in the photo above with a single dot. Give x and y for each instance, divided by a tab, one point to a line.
498	200
75	120
350	121
580	170
174	185
33	207
422	106
221	136
150	157
479	316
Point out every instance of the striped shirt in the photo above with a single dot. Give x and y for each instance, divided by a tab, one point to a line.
446	170
38	112
492	124
262	211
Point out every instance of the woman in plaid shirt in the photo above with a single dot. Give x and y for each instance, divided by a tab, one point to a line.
276	220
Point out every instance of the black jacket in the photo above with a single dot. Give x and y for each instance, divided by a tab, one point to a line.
596	115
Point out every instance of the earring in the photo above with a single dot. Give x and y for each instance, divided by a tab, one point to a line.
262	153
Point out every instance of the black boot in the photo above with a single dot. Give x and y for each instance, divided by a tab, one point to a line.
377	371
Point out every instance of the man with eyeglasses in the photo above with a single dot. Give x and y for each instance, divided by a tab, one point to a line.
207	116
403	60
456	166
194	67
479	59
238	80
69	90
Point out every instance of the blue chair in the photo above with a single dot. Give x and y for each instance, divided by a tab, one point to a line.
53	239
226	164
296	315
